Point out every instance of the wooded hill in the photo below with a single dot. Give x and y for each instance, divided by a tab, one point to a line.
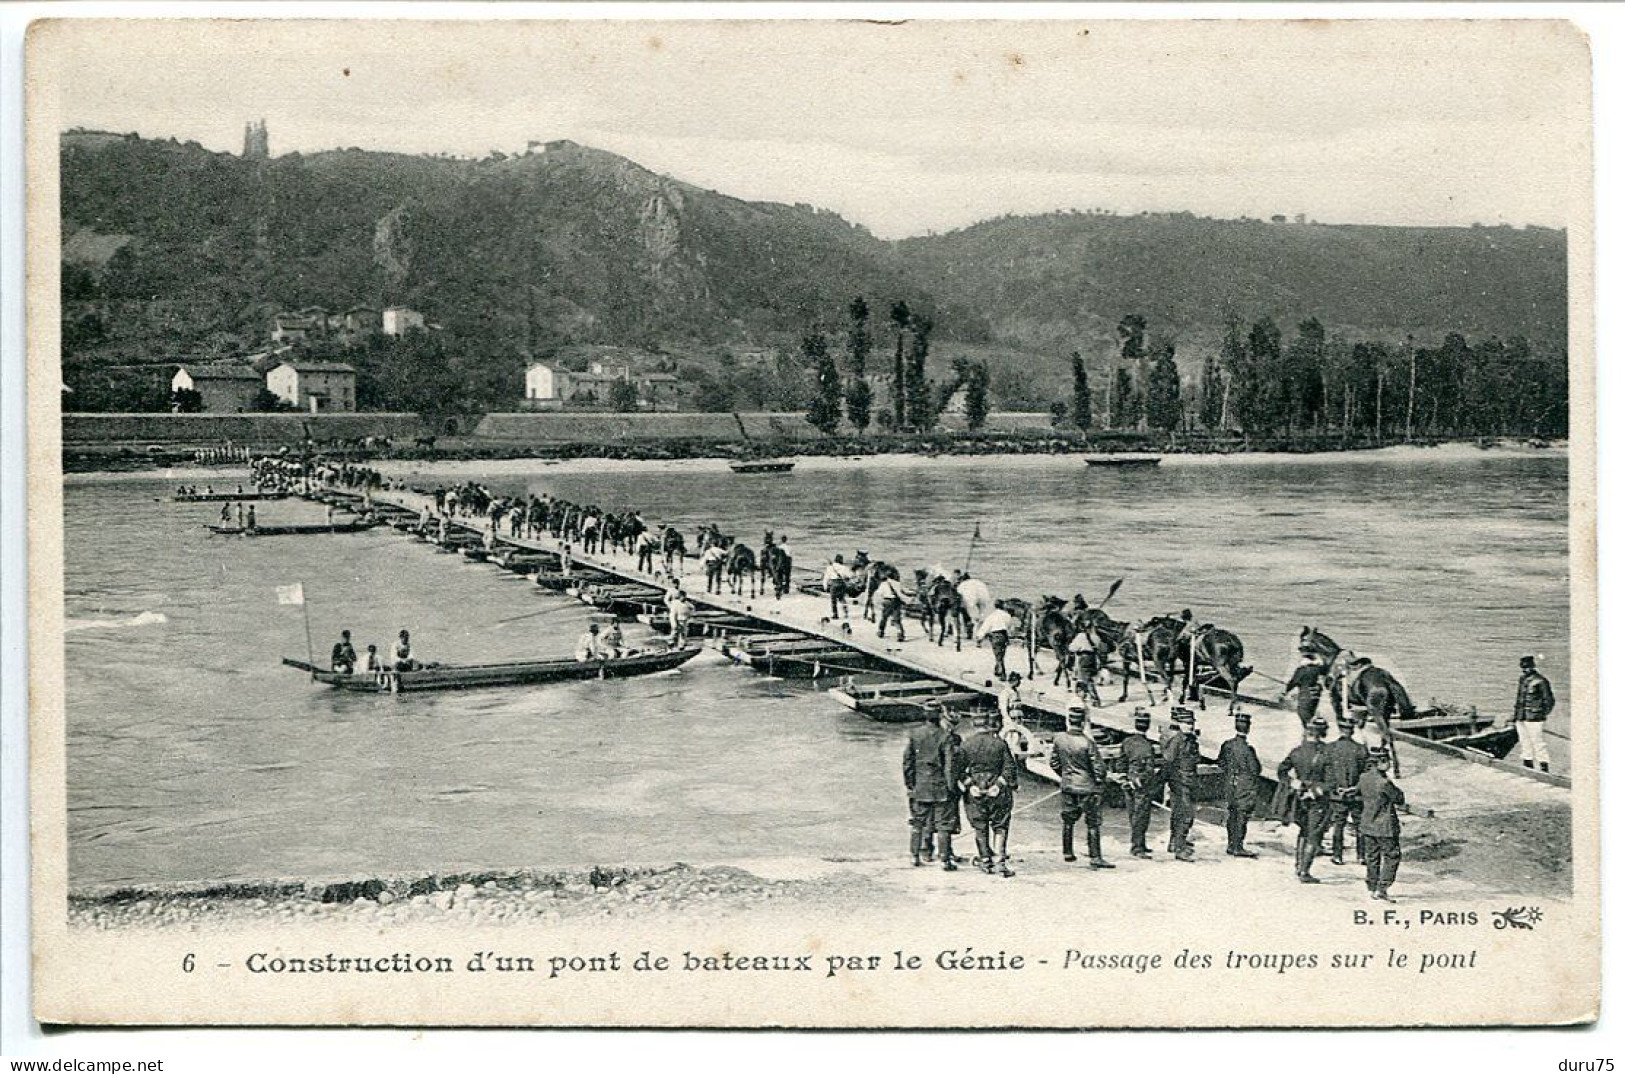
173	251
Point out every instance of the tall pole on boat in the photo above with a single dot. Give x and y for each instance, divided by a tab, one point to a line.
310	646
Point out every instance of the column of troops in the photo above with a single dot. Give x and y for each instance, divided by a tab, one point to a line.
1339	787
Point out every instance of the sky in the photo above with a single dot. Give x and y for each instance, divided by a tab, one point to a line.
905	128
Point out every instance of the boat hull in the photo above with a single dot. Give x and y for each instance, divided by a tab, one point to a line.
479	676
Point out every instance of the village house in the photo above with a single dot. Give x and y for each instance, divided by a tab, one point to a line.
298	327
398	321
317	387
225	387
549	386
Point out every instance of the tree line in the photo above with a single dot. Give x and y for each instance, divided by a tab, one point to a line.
916	401
1318	384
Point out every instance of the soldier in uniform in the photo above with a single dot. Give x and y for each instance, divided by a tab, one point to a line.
927	769
1239	763
1078	765
1179	772
987	774
1085	666
1303	773
1345	760
1379	824
950	725
1309	680
1139	781
1535	703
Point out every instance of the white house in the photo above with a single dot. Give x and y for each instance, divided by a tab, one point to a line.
545	387
398	321
226	388
314	386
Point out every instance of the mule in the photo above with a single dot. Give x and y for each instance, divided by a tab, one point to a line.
943	610
1358	683
775	567
674	549
740	565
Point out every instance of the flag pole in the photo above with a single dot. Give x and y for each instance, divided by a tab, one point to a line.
310	646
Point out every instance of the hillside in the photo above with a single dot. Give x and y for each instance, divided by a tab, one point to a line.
171	250
1063	280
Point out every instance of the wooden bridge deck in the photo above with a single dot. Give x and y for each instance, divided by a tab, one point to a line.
1433	782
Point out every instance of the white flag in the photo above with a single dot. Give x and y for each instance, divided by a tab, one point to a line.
291	594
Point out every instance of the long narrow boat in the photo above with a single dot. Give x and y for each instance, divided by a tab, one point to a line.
521	673
226	497
288	531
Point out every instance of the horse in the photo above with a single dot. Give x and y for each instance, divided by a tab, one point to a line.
1360	684
1111	636
943	610
1222	652
673	549
875	572
1056	630
740	565
775	566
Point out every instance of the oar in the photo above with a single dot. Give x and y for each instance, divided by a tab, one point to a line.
1110	593
544	611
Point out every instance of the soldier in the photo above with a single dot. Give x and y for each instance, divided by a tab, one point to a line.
950	725
927	769
1345	760
1303	773
1179	771
1077	763
1379	824
1535	703
1085	666
1139	781
987	775
1309	681
1239	763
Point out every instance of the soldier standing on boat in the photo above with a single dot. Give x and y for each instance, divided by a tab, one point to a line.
1240	765
1380	800
1139	781
1345	760
1308	680
1535	703
1179	772
987	775
928	767
1076	761
1302	776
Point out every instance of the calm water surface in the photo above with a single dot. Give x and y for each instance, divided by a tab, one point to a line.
194	755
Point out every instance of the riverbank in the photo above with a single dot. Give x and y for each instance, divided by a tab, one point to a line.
453	464
1448	861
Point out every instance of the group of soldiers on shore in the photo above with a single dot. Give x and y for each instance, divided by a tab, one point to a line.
1322	787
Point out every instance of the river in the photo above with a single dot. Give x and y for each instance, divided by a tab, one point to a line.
193	755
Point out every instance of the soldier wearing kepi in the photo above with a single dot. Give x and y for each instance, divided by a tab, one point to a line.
987	775
1303	776
1077	763
1179	772
1380	800
1139	781
950	726
1241	768
1535	703
928	763
1345	760
1308	680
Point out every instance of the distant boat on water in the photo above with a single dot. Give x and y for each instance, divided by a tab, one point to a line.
762	466
1123	460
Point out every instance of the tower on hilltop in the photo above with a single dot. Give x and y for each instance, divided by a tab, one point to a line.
256	141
